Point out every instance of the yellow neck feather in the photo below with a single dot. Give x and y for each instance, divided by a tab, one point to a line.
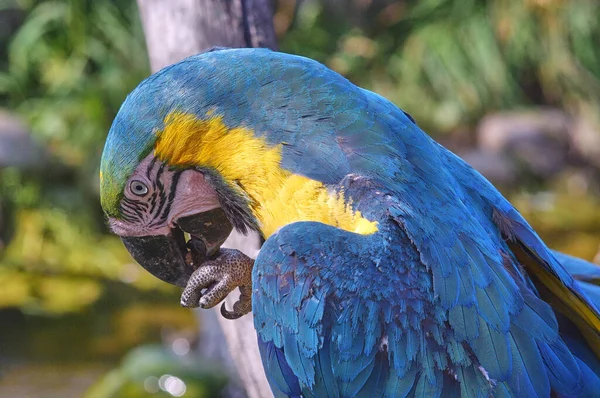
279	197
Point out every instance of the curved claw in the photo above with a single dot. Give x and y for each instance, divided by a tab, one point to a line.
230	314
241	307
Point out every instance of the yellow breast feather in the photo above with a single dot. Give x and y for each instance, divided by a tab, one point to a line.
279	197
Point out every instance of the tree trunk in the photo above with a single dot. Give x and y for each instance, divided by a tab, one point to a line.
176	29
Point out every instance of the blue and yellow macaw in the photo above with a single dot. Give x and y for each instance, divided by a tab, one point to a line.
390	267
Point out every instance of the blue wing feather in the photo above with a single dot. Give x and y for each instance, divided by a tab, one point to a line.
529	377
492	350
447	231
278	372
562	367
326	383
453	257
400	386
402	338
472	382
580	269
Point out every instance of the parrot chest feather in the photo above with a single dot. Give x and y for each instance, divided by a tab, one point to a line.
277	197
302	199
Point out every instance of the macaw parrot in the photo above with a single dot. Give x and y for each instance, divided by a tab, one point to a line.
389	268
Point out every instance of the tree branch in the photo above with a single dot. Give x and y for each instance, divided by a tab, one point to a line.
174	30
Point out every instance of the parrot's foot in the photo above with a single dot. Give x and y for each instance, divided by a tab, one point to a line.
220	277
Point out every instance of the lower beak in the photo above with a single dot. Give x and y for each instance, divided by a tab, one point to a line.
161	255
164	256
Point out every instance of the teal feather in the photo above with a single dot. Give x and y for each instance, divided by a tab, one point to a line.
492	350
492	310
536	312
278	371
325	381
303	367
352	383
473	383
503	391
529	377
399	387
429	387
376	384
464	321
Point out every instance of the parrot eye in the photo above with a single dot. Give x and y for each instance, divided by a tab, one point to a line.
138	188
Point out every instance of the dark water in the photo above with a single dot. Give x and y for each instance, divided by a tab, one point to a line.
62	356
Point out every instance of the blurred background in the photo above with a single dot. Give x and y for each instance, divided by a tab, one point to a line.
512	86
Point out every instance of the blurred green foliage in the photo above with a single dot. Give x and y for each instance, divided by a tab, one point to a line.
449	62
68	67
157	371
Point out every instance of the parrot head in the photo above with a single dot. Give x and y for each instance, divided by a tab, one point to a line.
157	206
226	139
153	191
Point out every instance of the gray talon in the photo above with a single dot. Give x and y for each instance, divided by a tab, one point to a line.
225	313
240	307
219	277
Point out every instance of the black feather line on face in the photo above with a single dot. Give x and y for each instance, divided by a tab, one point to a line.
149	169
153	200
234	202
162	196
130	206
172	192
161	218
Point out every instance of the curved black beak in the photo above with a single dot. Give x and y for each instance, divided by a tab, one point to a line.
166	256
212	227
161	255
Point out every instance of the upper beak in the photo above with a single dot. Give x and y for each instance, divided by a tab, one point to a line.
166	256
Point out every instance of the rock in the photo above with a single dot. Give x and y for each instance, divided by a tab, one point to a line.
17	148
496	167
538	140
596	259
586	138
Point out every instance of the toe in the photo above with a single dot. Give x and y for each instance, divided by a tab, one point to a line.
191	298
216	293
202	278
